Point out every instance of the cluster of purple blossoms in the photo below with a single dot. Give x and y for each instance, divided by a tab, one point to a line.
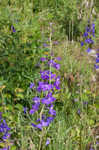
88	34
48	85
4	131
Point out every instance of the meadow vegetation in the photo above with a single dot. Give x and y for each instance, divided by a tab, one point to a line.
43	53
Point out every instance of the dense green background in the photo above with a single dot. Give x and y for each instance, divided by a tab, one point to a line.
20	52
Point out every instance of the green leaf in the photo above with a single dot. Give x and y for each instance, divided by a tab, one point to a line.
19	106
97	106
13	147
20	95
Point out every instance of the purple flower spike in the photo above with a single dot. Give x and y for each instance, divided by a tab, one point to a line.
47	142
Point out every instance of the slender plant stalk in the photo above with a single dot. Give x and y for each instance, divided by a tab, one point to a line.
50	48
72	29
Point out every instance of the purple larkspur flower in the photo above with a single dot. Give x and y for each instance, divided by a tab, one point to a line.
39	126
36	99
88	50
50	119
89	41
47	74
49	94
91	148
43	59
58	58
57	83
97	55
6	136
45	45
25	109
97	60
82	43
96	66
93	25
47	142
52	112
87	29
5	148
13	29
32	85
78	112
57	66
48	100
97	142
34	125
35	107
44	75
44	87
4	129
85	34
51	62
44	123
54	64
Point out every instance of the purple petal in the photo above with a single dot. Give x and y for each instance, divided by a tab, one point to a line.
32	85
43	59
97	60
47	142
82	43
96	66
88	50
45	45
13	29
39	126
58	58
